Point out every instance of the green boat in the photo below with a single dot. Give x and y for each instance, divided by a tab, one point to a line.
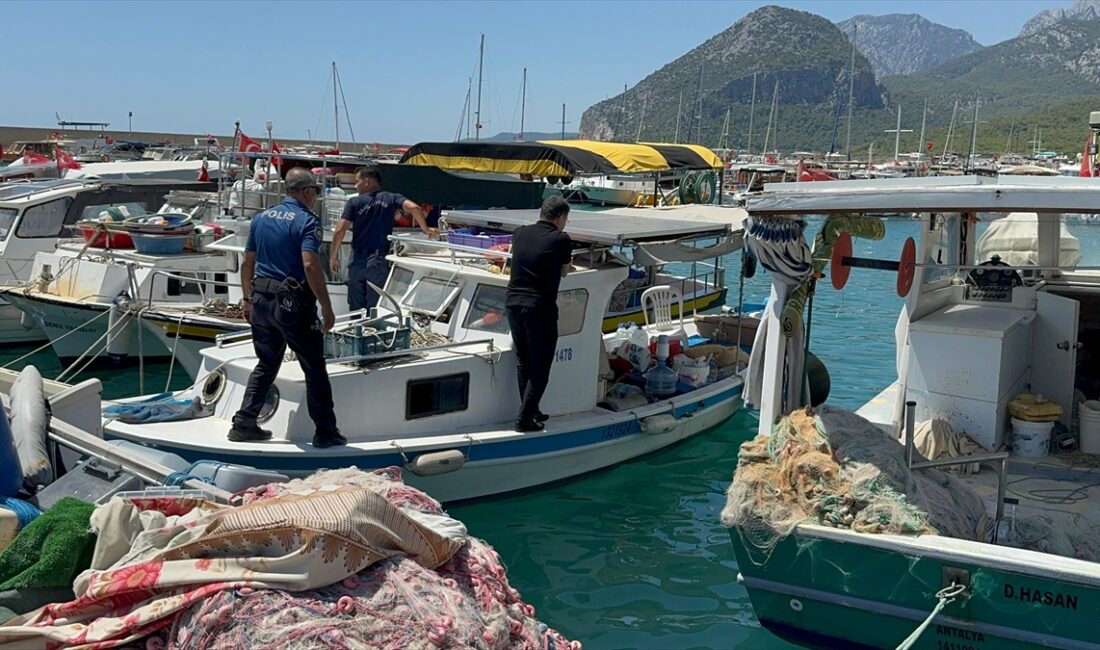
986	321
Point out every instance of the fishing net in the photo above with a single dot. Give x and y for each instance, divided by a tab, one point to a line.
467	602
834	468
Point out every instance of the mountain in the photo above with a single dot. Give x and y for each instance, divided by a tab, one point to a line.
805	54
905	43
530	136
1081	10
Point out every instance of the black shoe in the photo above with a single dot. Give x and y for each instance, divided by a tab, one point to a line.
526	427
248	434
541	417
324	441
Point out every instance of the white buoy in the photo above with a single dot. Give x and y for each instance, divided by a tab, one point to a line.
662	423
30	418
118	328
437	462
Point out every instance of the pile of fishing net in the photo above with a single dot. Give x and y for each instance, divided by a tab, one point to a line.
834	468
343	558
397	603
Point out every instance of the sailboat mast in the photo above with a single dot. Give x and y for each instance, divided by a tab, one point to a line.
771	116
950	130
697	114
641	121
523	103
725	131
563	121
897	136
480	66
974	132
335	105
469	98
752	111
851	91
622	116
679	107
920	143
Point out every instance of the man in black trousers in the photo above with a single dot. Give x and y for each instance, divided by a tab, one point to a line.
541	256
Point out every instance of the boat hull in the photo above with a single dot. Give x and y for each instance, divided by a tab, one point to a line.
828	588
496	461
11	326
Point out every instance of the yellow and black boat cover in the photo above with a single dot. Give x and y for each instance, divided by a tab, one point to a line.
561	158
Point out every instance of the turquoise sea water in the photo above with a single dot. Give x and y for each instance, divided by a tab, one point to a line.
635	556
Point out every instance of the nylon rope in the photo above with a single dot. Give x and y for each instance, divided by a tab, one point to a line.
945	596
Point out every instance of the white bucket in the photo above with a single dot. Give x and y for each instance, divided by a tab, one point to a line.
1088	420
1032	439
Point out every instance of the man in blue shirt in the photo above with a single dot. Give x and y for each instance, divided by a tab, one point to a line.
283	280
370	216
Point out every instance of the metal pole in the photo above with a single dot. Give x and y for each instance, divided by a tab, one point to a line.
480	64
523	103
131	125
563	121
851	90
910	428
679	108
752	110
335	106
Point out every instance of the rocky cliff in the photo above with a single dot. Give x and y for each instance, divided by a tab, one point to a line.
1081	10
906	43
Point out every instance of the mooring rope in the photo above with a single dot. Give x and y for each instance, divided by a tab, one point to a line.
946	596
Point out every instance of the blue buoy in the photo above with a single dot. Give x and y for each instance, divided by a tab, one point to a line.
11	475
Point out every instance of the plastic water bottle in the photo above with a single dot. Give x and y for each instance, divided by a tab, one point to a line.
335	199
1006	530
660	381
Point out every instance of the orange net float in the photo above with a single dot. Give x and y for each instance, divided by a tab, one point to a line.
497	259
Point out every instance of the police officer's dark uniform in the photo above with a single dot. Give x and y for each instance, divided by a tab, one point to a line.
284	313
371	216
539	252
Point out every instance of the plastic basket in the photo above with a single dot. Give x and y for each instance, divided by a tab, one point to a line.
355	343
478	239
173	224
100	238
160	244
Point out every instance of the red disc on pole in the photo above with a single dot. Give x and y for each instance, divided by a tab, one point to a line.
907	267
839	270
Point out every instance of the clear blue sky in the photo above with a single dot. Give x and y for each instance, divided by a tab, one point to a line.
198	66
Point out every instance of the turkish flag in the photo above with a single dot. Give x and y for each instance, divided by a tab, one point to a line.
65	159
928	146
331	152
249	145
1086	159
275	160
34	158
204	176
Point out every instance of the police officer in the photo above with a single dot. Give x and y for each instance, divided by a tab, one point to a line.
370	216
283	280
541	256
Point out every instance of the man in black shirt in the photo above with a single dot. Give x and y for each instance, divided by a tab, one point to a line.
541	255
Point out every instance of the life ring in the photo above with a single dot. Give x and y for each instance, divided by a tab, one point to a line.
706	187
497	259
688	190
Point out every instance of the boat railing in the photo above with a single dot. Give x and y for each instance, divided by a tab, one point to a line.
450	345
453	248
999	457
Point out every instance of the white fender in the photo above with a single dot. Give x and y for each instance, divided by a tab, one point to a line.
662	423
29	419
437	462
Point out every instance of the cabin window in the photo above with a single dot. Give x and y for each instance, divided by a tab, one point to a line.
43	220
7	218
399	283
572	304
431	296
436	396
486	311
943	250
177	287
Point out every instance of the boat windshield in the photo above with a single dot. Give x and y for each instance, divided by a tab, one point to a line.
7	218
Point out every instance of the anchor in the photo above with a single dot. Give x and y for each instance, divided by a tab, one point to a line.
843	262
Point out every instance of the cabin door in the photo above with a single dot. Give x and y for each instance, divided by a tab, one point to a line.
1054	350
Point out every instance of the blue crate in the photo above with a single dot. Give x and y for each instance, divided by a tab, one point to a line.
160	244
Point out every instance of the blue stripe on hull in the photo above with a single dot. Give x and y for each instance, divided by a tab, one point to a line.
306	462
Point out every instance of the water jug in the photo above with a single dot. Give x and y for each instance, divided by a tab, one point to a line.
660	381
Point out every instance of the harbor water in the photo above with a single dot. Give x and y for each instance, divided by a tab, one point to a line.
635	556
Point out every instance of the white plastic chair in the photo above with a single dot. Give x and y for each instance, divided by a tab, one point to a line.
662	297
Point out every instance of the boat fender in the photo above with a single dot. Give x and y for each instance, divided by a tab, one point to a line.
118	327
30	417
662	423
437	462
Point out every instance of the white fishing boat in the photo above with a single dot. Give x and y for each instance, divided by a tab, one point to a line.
36	215
429	384
994	359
